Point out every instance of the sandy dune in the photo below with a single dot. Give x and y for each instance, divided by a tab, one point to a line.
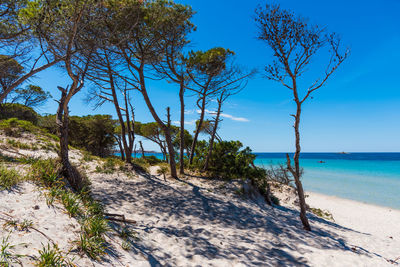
202	222
184	224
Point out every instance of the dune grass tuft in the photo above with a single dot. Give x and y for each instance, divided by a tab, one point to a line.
8	178
52	256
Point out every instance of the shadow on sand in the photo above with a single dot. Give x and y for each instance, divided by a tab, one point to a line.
216	227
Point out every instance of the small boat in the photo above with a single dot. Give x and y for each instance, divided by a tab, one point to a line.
321	161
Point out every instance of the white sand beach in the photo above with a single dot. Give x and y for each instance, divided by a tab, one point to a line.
198	221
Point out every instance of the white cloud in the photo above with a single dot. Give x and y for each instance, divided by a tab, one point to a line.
189	111
234	118
192	122
225	115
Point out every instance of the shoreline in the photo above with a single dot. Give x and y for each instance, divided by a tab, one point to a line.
368	218
333	197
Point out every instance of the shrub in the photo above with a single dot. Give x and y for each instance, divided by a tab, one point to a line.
153	160
275	200
21	112
321	213
110	165
229	160
163	170
93	133
8	178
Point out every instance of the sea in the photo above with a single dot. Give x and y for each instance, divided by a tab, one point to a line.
372	178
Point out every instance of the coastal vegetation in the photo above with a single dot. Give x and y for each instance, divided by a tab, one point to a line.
117	47
94	166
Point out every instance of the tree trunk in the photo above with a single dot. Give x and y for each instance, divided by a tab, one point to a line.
297	171
210	148
72	175
121	149
166	130
141	147
182	130
196	135
128	155
129	129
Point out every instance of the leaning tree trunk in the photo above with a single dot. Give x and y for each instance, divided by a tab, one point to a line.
196	134
297	172
299	185
121	149
214	132
141	147
128	155
182	130
70	173
166	129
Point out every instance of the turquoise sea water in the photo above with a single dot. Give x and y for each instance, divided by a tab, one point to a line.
368	177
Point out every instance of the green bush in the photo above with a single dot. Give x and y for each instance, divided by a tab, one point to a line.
229	160
153	160
110	165
14	127
93	133
21	112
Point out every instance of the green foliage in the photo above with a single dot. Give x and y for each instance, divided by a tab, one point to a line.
141	164
19	145
15	127
71	203
153	160
87	156
46	172
187	140
228	160
88	211
17	225
10	27
52	256
31	96
25	225
322	213
210	62
110	165
95	225
93	246
163	170
19	111
8	178
126	245
274	200
10	71
93	133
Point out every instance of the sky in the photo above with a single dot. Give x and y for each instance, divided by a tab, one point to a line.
356	111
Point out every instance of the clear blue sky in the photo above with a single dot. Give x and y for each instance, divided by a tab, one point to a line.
358	109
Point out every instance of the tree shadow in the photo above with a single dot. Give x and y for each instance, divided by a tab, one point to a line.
214	226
